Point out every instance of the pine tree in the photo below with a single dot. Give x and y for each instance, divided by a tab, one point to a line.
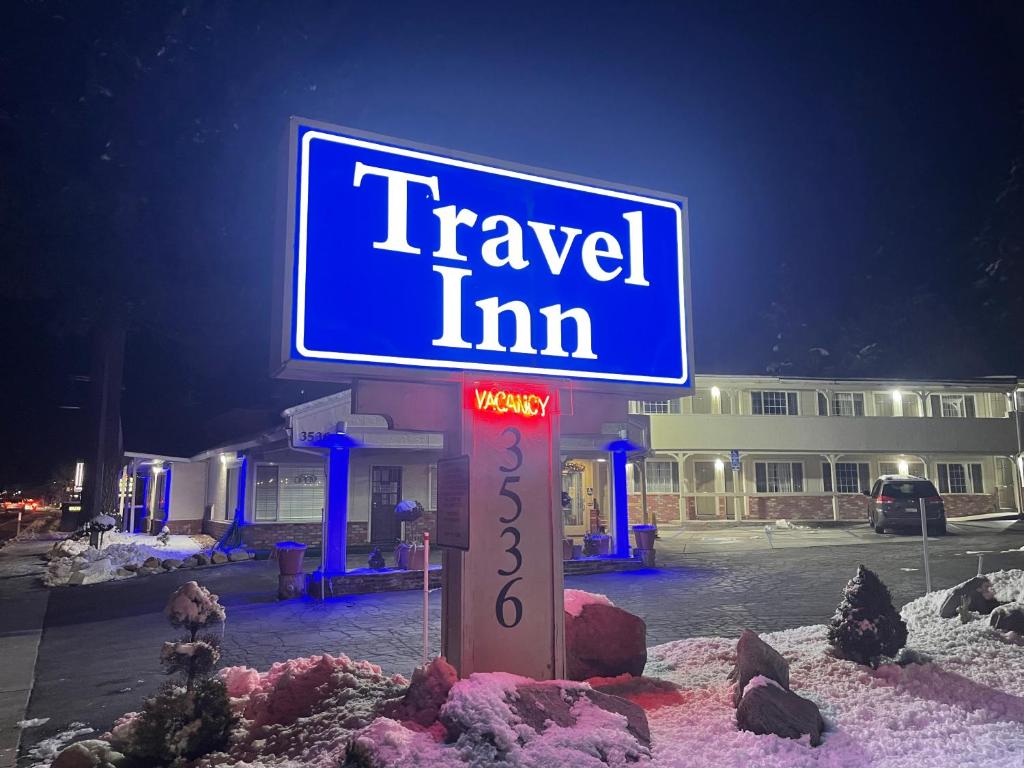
866	626
183	722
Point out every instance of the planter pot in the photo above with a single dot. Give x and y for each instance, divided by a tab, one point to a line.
644	535
289	557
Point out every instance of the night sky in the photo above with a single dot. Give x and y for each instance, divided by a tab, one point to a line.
855	173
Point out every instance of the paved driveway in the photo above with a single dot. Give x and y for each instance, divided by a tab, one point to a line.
99	650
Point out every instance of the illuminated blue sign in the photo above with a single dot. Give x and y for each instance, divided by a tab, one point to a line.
418	258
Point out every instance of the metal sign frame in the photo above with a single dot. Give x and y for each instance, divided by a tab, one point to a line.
329	366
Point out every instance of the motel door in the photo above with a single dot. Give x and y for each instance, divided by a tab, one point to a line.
385	493
704	485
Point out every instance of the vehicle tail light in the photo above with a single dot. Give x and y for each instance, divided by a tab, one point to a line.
933	498
885	499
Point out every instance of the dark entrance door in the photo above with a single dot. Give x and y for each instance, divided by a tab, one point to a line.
385	493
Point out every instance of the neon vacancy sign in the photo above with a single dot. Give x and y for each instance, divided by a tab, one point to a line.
405	258
526	404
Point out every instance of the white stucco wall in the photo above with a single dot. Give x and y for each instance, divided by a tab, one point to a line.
188	490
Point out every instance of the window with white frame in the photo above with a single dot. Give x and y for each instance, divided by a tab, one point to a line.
960	478
288	492
915	468
851	477
847	404
884	405
432	487
774	403
953	406
779	476
654	406
662	476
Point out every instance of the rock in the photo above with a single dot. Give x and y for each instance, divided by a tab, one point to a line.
123	573
1008	618
219	558
604	641
201	558
148	570
151	562
131	566
755	657
979	594
237	555
93	573
92	753
427	692
768	708
189	562
170	563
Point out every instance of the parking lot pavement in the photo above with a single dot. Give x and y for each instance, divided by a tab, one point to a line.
99	652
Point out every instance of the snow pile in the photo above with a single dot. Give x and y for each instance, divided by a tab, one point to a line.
964	708
305	710
575	599
75	562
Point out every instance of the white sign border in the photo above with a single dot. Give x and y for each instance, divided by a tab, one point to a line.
300	288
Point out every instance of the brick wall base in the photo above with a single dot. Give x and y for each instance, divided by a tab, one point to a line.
963	505
266	535
663	506
185	527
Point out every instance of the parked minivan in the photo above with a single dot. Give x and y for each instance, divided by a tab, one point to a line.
895	503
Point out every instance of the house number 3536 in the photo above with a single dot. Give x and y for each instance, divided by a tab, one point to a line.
506	603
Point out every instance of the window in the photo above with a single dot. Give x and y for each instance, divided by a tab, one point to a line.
848	404
654	406
851	477
662	477
953	406
774	403
960	478
231	492
912	489
432	487
884	405
288	492
911	405
915	468
265	499
779	476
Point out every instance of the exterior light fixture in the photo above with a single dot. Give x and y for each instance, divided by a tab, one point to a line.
904	467
157	469
716	392
896	395
719	465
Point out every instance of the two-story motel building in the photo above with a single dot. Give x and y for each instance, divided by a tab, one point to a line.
806	449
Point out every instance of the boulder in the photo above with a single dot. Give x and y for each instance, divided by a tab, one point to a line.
93	573
219	558
201	558
124	573
237	555
767	708
427	692
147	570
755	657
979	594
170	563
131	566
92	753
151	562
189	562
1008	618
604	641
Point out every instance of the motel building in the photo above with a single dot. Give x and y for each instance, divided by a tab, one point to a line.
806	450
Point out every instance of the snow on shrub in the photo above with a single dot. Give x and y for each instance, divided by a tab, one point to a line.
191	717
866	625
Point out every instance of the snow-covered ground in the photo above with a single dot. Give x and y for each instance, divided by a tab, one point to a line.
75	562
960	706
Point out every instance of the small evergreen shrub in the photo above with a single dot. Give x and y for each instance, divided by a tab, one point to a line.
192	716
866	625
